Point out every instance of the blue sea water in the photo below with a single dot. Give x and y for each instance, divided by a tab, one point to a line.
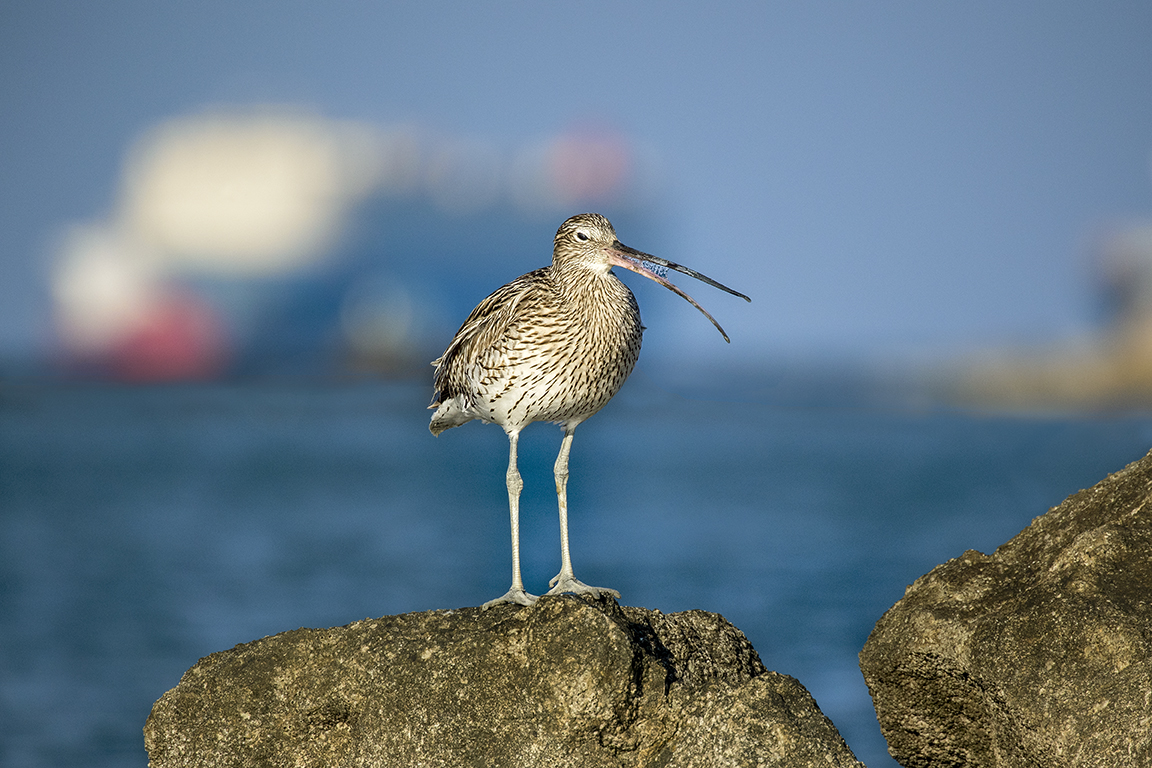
142	528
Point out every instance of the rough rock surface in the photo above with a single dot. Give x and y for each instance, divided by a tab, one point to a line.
1037	655
567	682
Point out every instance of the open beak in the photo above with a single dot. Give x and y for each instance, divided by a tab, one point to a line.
620	255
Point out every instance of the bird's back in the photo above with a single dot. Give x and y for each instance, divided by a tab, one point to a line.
545	347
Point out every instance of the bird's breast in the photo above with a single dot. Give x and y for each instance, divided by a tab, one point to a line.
563	361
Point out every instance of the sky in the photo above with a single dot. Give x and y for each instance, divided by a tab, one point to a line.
877	176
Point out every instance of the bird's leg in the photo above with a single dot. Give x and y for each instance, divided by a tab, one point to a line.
565	581
515	593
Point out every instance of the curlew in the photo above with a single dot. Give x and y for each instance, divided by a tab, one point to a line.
553	345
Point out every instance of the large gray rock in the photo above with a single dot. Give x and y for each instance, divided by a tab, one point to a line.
567	682
1037	655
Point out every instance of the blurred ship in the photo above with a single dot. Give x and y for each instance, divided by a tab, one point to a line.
1110	369
277	242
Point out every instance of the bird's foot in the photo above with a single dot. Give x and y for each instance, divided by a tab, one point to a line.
562	583
517	596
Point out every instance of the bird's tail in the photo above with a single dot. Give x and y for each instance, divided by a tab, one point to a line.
449	413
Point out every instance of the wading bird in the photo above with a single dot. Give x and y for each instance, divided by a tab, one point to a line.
553	345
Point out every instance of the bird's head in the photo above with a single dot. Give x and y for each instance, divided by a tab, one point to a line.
588	242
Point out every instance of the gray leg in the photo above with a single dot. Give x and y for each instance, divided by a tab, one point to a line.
515	593
566	581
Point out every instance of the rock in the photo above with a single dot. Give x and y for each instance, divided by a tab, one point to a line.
568	682
1037	655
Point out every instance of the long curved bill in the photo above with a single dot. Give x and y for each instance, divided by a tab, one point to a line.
621	255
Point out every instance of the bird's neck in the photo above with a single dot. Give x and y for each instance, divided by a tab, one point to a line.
593	291
580	279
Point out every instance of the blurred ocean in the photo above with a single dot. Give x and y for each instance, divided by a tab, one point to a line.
142	528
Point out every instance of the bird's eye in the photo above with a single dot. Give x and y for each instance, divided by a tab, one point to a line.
581	235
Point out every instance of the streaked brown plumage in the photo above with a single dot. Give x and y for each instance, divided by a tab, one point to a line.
552	345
